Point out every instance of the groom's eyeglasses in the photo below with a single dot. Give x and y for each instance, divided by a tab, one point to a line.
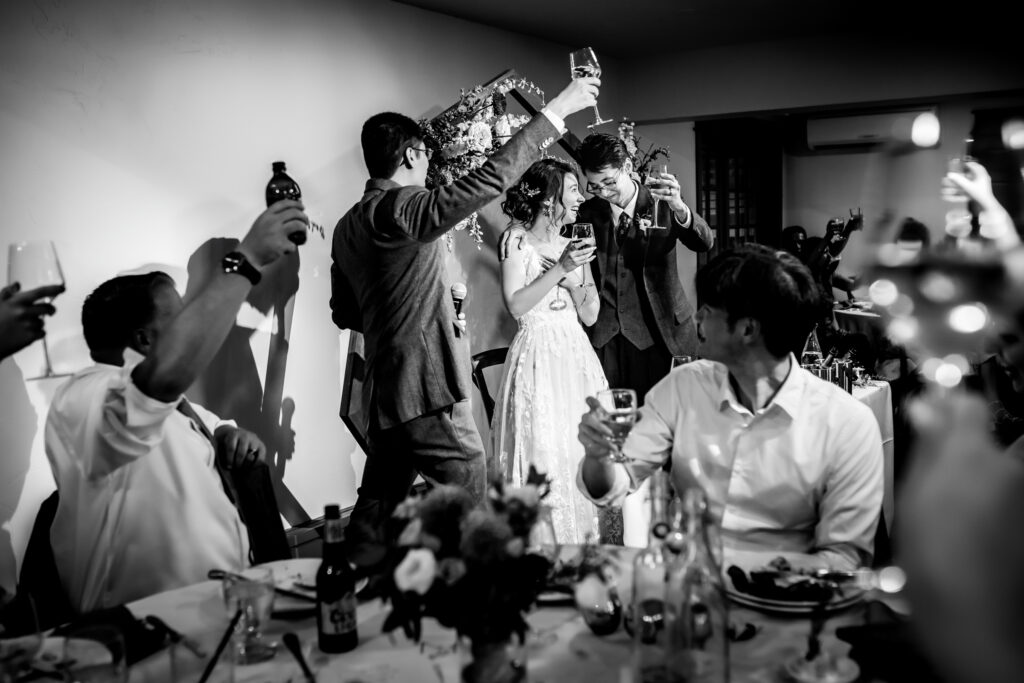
606	184
426	150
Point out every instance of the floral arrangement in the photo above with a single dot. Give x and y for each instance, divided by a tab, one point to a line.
470	568
463	136
642	160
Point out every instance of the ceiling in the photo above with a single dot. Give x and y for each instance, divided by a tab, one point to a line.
633	28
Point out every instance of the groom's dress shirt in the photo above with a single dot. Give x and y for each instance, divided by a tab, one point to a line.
141	507
803	474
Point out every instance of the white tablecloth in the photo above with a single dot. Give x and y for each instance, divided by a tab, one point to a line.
876	395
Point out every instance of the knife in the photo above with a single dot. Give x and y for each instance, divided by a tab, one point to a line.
218	574
177	638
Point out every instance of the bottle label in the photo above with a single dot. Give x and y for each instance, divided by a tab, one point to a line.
333	532
338	618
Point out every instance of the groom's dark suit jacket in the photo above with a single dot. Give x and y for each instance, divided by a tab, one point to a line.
650	259
388	280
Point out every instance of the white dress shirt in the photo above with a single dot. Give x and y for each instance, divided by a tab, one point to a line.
142	509
803	474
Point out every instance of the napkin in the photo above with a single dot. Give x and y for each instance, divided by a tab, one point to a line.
886	648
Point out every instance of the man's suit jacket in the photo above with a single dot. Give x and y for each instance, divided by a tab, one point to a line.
657	262
389	280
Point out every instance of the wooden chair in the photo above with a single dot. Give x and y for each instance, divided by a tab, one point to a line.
482	361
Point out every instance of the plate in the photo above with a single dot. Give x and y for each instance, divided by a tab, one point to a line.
841	670
847	596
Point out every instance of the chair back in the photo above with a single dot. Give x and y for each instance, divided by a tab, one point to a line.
39	578
482	361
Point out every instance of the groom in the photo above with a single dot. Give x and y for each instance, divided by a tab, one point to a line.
389	282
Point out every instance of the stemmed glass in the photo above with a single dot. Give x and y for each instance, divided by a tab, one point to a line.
584	234
35	264
583	64
653	179
620	406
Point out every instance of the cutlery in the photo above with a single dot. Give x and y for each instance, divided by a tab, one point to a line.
219	574
177	638
220	646
291	641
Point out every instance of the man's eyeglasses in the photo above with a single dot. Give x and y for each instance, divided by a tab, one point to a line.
606	184
426	150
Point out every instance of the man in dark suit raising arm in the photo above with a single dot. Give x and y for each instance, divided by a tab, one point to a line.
389	281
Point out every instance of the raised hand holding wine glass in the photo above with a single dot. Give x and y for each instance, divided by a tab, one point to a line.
583	64
35	277
655	181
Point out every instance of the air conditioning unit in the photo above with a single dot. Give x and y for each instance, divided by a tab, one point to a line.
864	130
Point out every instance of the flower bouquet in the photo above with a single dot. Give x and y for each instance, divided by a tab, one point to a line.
642	159
463	136
471	569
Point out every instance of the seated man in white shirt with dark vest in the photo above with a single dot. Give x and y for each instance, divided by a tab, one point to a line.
142	507
791	464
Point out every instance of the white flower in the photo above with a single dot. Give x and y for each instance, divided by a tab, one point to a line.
479	136
416	571
502	128
645	224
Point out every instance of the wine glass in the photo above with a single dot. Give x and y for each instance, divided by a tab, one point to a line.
620	406
583	64
253	594
653	179
584	234
95	654
35	264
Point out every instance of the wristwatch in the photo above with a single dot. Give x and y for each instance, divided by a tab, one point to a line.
235	262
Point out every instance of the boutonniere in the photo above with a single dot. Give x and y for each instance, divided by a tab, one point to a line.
644	222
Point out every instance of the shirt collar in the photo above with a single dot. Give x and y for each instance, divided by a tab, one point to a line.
630	209
381	184
788	397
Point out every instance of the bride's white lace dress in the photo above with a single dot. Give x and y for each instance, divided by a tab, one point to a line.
550	370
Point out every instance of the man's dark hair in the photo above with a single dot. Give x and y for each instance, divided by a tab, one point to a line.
599	150
118	307
385	138
913	230
772	287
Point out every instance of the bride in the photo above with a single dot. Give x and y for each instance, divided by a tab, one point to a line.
550	368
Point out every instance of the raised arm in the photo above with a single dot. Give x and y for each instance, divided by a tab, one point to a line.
188	344
427	215
687	226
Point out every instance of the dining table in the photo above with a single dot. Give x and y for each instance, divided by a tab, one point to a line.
560	647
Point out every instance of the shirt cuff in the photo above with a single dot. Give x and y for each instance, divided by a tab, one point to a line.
620	486
689	217
556	120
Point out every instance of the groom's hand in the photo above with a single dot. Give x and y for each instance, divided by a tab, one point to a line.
577	96
594	433
508	238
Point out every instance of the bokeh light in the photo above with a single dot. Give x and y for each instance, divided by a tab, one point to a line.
924	132
968	318
938	287
891	579
1013	134
948	375
883	292
902	330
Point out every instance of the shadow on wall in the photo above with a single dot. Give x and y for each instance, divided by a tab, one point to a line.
18	421
231	385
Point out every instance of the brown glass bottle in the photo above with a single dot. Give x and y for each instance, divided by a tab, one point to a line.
335	591
282	186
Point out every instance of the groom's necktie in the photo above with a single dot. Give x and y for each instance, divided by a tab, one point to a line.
622	229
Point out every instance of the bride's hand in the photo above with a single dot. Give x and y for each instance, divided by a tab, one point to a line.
576	254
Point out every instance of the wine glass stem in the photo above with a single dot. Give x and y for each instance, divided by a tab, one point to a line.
597	117
46	358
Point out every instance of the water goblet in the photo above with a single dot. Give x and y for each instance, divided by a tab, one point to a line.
620	406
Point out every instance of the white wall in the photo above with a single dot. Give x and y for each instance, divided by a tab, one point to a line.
132	131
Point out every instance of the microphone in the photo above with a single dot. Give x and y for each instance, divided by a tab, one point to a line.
459	292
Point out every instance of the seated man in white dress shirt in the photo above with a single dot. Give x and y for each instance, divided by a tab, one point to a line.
142	508
792	464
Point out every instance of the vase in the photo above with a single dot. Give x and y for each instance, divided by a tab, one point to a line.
493	662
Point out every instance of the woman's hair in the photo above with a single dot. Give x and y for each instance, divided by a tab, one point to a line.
539	190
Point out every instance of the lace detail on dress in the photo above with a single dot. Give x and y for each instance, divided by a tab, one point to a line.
550	370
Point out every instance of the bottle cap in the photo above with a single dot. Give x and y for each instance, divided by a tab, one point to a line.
278	166
332	512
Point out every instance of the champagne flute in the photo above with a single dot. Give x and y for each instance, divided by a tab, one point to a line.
653	179
620	406
35	264
583	64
